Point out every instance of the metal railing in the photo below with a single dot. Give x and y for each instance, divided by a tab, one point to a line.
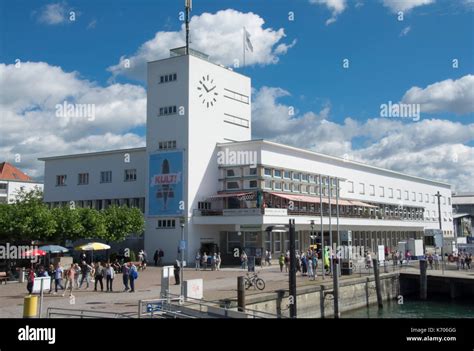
55	312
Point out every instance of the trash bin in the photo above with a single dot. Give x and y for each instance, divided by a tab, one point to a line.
30	307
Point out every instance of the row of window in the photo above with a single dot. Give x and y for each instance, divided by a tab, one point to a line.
298	176
130	175
168	110
396	194
236	96
103	203
167	145
166	224
168	78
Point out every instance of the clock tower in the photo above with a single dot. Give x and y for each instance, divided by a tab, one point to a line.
192	104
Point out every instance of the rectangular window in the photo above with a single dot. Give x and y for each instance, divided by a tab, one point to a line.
130	175
303	188
233	185
253	184
295	187
277	185
432	199
372	190
277	173
407	196
167	145
444	200
381	191
399	194
449	201
312	189
420	197
83	178
236	96
253	171
106	177
166	224
230	173
390	193
268	184
427	198
287	174
311	178
296	176
413	196
304	177
202	205
350	186
61	180
267	172
168	78
168	110
362	188
286	187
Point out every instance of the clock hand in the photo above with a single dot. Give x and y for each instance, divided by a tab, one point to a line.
211	89
207	90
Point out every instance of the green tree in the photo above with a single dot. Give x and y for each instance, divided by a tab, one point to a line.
122	221
93	223
68	224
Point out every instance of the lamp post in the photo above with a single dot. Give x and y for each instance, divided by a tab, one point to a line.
438	195
182	246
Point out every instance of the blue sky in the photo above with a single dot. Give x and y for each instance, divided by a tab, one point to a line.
387	58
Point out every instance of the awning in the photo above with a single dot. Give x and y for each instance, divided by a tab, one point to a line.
361	204
300	198
222	196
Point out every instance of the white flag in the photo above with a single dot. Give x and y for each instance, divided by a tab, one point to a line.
248	43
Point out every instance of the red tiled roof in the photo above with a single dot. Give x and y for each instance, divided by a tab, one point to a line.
10	172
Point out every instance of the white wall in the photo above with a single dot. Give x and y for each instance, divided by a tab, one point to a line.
13	187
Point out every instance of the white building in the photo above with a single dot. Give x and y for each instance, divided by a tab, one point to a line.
12	181
200	164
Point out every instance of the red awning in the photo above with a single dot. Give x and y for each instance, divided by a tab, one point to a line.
221	196
316	200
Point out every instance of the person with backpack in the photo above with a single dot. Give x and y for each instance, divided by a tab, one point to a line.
133	276
125	276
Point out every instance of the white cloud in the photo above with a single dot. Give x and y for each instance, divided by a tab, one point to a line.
405	31
455	96
335	6
31	129
405	5
434	149
53	14
219	35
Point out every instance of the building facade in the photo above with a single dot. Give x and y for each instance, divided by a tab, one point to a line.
201	169
12	181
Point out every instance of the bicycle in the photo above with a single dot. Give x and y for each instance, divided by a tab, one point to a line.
255	281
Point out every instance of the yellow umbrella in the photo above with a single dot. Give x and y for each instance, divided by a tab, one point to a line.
92	247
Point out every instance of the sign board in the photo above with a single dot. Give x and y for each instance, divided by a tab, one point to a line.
381	253
154	307
182	244
193	288
165	184
37	284
167	272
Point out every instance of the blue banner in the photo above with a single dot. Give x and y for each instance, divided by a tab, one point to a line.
165	184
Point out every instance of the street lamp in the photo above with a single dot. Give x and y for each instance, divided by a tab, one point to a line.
182	246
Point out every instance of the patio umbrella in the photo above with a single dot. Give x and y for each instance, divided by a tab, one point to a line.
92	247
53	249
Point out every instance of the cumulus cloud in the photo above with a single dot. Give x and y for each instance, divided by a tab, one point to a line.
454	96
432	148
53	14
335	6
405	5
32	128
219	35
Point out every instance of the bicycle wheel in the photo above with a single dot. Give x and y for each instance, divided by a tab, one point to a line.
260	284
247	283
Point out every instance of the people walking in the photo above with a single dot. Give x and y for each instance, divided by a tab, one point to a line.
176	272
58	277
310	270
197	260
125	276
218	261
430	260
98	276
109	276
204	261
281	262
287	261
243	260
156	258
161	254
77	275
70	280
133	273
30	279
86	274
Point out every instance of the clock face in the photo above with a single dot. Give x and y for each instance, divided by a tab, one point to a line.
207	91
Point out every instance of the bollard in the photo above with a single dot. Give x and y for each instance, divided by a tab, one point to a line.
423	280
241	293
30	307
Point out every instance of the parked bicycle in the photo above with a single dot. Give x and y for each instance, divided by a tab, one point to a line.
255	281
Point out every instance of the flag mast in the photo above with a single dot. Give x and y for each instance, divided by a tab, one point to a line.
243	44
188	5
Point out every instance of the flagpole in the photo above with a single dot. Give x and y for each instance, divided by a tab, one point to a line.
243	44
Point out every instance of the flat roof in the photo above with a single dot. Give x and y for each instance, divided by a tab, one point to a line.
98	153
329	157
